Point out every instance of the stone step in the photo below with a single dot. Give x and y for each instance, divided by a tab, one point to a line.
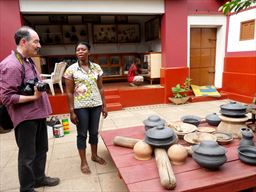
112	98
207	98
114	106
111	92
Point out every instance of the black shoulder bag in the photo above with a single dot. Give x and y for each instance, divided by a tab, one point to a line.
5	120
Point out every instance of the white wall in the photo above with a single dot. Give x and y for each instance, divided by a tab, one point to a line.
93	6
234	43
218	22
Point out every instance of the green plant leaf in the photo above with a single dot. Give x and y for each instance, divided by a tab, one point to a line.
236	6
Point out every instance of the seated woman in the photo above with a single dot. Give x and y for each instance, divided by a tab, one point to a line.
133	74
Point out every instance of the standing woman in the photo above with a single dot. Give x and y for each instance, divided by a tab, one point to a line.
86	101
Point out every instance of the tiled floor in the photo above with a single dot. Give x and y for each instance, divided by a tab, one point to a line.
63	160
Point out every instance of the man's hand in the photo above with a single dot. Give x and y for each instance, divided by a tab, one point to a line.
37	94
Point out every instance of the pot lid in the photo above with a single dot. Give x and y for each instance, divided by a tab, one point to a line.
160	132
233	106
213	117
208	147
153	121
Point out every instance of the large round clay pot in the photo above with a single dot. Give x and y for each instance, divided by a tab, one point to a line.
177	154
233	109
160	136
153	121
209	154
213	119
142	151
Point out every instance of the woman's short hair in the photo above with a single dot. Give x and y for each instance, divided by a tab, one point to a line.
83	43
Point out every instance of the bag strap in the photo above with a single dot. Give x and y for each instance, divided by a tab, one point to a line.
23	74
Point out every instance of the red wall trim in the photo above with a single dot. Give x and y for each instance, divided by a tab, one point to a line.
227	31
241	54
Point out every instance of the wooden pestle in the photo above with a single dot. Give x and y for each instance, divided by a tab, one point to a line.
125	141
167	177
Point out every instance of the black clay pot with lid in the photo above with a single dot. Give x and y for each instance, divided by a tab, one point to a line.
209	154
153	121
160	136
233	109
213	119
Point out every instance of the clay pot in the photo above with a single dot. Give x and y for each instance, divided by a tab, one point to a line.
233	109
247	154
247	137
160	136
209	154
213	119
177	154
153	121
142	151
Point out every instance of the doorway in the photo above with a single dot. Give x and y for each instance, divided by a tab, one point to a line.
202	55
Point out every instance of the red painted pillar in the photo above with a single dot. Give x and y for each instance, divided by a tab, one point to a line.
10	21
174	44
174	34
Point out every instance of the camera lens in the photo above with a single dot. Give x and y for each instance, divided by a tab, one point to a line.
41	86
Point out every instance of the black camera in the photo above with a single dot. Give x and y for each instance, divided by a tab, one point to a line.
28	88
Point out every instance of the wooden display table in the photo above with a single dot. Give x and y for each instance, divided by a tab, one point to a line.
143	175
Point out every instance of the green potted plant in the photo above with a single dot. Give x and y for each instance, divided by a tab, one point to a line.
179	92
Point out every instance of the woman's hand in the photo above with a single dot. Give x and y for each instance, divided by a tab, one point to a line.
74	118
104	111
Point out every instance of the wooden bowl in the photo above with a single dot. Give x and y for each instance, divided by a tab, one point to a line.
223	138
181	128
206	129
197	137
